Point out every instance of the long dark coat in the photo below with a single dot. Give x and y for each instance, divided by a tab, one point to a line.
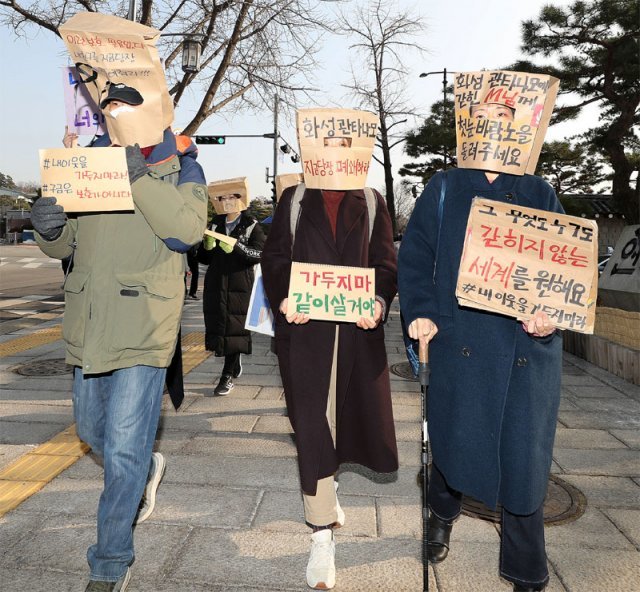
494	390
365	431
227	286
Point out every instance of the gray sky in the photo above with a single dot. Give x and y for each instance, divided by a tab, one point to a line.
460	35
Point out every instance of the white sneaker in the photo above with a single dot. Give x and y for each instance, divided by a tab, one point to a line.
321	569
148	501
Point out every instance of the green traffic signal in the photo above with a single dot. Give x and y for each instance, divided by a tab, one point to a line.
219	140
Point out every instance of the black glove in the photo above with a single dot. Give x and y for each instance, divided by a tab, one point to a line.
48	218
136	163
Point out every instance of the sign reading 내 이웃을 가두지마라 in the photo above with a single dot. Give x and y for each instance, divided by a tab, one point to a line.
86	179
511	141
336	146
332	292
518	260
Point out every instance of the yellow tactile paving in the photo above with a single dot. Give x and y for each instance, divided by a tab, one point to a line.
36	339
13	493
32	471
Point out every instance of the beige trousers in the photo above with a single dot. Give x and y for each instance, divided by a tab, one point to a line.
321	509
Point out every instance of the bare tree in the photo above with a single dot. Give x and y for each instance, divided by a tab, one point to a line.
251	49
381	34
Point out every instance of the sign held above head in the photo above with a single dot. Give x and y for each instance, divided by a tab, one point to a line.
109	52
229	195
502	118
336	147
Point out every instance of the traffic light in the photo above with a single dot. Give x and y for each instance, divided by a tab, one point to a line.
274	197
217	140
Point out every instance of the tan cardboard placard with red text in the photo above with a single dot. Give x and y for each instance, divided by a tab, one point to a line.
519	260
108	49
332	292
502	145
237	186
341	167
86	179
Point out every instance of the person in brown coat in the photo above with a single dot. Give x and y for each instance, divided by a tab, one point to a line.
335	374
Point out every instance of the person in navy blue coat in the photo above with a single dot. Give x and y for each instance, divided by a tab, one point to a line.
495	382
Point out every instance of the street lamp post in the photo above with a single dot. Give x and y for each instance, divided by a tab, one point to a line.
444	107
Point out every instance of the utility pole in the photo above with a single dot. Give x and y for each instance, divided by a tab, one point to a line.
276	136
132	10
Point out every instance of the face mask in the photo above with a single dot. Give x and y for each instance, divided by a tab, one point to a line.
122	109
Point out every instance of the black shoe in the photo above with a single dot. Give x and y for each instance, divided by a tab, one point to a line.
519	588
224	386
193	297
438	535
238	370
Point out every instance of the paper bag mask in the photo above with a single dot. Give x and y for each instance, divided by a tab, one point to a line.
288	180
219	192
108	50
336	147
501	119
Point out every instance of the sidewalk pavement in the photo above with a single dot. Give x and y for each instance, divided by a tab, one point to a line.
229	513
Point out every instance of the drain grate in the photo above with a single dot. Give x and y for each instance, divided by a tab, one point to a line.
51	367
564	503
403	370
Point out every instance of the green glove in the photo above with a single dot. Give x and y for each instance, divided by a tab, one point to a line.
226	247
208	242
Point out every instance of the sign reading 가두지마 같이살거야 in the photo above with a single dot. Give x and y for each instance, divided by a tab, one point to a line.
86	179
511	144
344	166
517	261
332	292
83	116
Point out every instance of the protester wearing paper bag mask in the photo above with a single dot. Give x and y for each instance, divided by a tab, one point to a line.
335	374
495	381
229	277
120	108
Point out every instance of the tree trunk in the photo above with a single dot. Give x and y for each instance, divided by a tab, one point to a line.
625	198
388	174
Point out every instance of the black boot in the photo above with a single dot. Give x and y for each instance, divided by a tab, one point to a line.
438	539
519	588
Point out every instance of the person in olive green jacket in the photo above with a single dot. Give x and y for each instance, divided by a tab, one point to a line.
123	303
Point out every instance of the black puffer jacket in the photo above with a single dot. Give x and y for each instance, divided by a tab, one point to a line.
227	286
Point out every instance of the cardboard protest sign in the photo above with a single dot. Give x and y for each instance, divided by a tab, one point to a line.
219	190
508	139
519	260
336	147
332	292
259	316
86	179
288	180
108	50
222	237
82	113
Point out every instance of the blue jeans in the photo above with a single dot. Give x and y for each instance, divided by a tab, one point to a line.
117	415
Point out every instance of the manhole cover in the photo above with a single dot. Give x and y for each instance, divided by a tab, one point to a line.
403	370
563	503
53	367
